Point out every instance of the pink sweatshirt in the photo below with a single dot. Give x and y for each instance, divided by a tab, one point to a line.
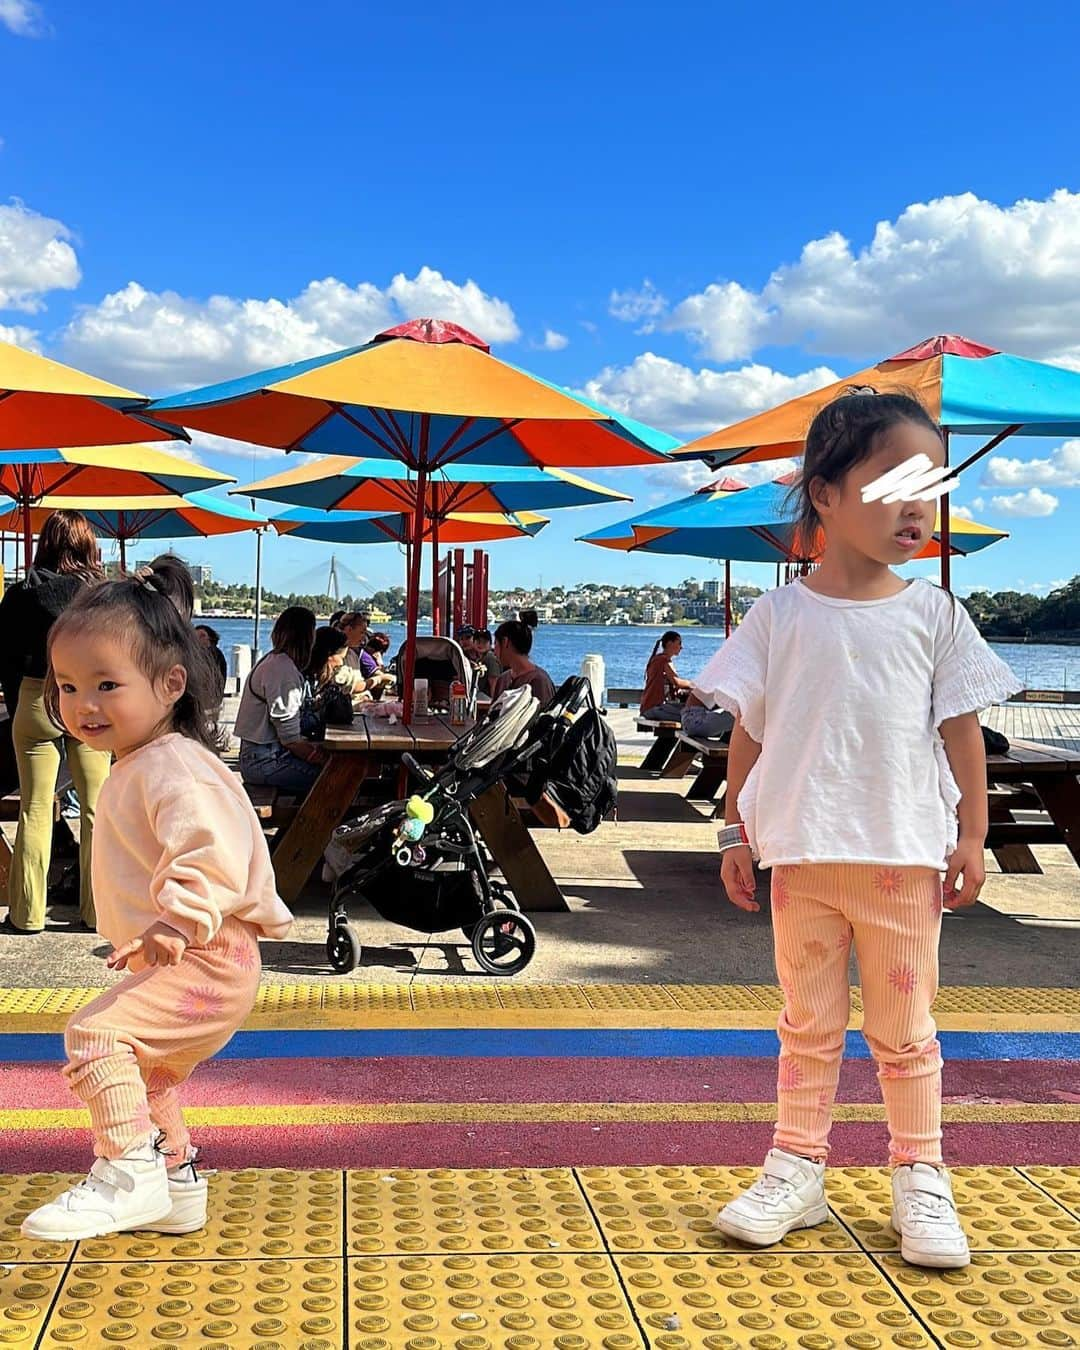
176	839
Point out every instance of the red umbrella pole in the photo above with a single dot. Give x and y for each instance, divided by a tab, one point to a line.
727	597
412	597
435	625
943	533
28	536
123	553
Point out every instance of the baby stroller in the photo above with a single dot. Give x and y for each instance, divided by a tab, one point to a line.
421	864
441	662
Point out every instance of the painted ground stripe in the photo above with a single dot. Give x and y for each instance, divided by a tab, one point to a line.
581	1042
551	1144
513	1113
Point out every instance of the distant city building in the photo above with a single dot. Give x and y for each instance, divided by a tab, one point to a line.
201	574
711	589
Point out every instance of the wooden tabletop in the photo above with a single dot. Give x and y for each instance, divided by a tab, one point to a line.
375	735
1036	757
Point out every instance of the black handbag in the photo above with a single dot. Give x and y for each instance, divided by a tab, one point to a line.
331	706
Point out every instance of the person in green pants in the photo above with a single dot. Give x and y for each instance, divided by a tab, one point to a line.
66	560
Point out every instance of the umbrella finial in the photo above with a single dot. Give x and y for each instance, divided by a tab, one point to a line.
945	344
434	331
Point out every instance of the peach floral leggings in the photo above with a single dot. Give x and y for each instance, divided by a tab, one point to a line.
893	917
134	1044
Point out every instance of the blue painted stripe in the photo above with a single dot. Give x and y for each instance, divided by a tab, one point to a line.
584	1043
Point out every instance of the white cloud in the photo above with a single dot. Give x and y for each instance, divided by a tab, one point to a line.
1062	469
554	342
725	319
1008	276
688	402
162	339
35	257
204	443
632	306
20	335
961	511
1033	502
24	18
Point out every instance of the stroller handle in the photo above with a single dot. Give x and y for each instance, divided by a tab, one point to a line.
416	769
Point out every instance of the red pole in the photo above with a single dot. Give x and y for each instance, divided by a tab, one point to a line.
944	532
727	597
436	627
28	528
123	553
412	594
459	586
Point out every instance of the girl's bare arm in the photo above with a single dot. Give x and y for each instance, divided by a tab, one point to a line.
743	752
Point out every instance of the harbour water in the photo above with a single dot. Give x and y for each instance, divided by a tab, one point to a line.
560	648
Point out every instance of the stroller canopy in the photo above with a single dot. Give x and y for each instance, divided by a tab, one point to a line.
441	662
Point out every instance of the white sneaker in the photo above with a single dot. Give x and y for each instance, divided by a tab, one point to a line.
187	1194
118	1196
790	1193
924	1214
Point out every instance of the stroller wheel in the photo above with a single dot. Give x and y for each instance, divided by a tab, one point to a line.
343	948
503	897
503	943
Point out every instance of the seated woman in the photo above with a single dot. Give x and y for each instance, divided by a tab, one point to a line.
513	643
371	658
660	699
327	666
700	718
272	750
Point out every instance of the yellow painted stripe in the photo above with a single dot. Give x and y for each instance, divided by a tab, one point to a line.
525	1113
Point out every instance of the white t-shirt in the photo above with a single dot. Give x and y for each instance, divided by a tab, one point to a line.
845	698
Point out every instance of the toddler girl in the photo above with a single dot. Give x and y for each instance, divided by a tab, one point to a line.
857	774
184	889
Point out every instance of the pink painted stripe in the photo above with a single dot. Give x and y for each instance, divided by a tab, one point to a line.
286	1082
546	1145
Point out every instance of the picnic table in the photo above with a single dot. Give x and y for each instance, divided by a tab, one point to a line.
1032	776
362	751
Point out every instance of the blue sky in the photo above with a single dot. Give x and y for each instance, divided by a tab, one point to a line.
689	211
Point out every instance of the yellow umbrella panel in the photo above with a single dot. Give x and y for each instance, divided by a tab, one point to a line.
44	403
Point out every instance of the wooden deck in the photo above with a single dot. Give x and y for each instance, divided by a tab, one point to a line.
1058	726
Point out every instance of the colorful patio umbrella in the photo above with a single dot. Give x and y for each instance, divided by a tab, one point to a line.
27	476
970	389
426	394
749	525
200	515
374	527
382	486
337	484
43	404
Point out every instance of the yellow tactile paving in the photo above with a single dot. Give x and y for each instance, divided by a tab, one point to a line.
352	996
769	1302
1000	1209
1002	999
629	997
671	1209
1023	1299
234	1305
714	997
545	1259
350	1002
443	1211
1062	1183
18	1196
249	1214
514	1302
26	1294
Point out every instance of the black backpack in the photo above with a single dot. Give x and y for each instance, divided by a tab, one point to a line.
579	770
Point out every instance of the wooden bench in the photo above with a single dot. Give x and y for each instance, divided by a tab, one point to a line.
272	805
713	772
666	734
